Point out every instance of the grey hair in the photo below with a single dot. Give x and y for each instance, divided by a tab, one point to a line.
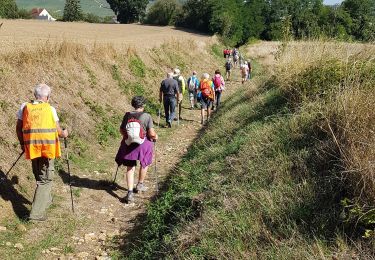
42	90
206	76
170	75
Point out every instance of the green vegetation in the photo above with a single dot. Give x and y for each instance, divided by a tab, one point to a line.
62	230
163	12
72	11
55	7
238	21
128	11
137	67
279	171
8	9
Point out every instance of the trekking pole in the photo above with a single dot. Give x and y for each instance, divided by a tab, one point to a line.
114	180
19	157
155	170
178	111
70	180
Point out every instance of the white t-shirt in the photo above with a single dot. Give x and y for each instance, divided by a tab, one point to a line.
20	111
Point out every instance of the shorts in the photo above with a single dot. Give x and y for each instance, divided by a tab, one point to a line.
129	163
205	102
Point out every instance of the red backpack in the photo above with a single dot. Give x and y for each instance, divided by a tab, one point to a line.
217	82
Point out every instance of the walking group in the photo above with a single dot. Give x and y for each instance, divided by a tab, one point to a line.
234	59
38	131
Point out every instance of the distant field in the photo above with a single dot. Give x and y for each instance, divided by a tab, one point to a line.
57	6
19	34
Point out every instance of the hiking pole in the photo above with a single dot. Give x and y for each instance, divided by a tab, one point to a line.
155	170
178	111
19	157
114	180
70	179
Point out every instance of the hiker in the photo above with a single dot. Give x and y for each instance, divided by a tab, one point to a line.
38	132
181	89
167	95
235	57
228	66
219	86
244	72
206	88
249	69
138	134
193	85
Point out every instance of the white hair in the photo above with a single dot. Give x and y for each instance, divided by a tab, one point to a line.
170	75
42	90
206	76
176	71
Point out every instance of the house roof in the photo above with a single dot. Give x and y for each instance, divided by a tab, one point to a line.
36	11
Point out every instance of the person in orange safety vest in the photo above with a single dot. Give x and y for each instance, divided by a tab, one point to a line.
38	132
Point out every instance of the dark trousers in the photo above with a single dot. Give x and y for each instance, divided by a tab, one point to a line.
169	108
217	97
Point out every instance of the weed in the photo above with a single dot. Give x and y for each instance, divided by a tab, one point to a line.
137	67
107	128
4	105
92	78
77	192
217	50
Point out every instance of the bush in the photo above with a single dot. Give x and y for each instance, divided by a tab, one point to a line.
163	12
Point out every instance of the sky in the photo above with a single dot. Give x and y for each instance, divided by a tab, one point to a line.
332	2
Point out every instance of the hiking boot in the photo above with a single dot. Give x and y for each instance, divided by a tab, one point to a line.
129	198
140	188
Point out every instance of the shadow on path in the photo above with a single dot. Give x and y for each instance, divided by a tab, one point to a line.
9	193
91	184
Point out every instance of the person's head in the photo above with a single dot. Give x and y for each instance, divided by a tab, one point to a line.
170	75
138	102
42	92
205	76
176	72
194	73
217	72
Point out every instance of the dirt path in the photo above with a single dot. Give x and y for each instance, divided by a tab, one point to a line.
101	221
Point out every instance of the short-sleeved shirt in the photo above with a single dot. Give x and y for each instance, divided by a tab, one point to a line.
20	111
169	87
145	118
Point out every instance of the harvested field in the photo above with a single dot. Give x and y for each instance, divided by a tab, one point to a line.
21	34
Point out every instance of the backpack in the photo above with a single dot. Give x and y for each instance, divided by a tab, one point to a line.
135	133
217	82
227	65
206	89
191	84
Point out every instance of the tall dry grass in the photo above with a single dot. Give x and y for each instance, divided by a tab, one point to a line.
91	89
340	79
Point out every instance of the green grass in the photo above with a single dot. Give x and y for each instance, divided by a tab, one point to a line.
253	188
56	7
58	236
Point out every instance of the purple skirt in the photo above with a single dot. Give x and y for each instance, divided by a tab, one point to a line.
135	152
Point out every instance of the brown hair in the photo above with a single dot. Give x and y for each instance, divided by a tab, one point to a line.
217	72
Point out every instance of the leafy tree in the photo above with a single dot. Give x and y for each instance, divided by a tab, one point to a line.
362	13
72	11
196	14
163	12
128	11
8	9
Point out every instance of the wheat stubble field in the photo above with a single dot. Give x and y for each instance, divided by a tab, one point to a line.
16	34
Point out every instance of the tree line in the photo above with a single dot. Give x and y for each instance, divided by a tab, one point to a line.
238	21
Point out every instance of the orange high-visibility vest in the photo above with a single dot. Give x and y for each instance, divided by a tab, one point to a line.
39	130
